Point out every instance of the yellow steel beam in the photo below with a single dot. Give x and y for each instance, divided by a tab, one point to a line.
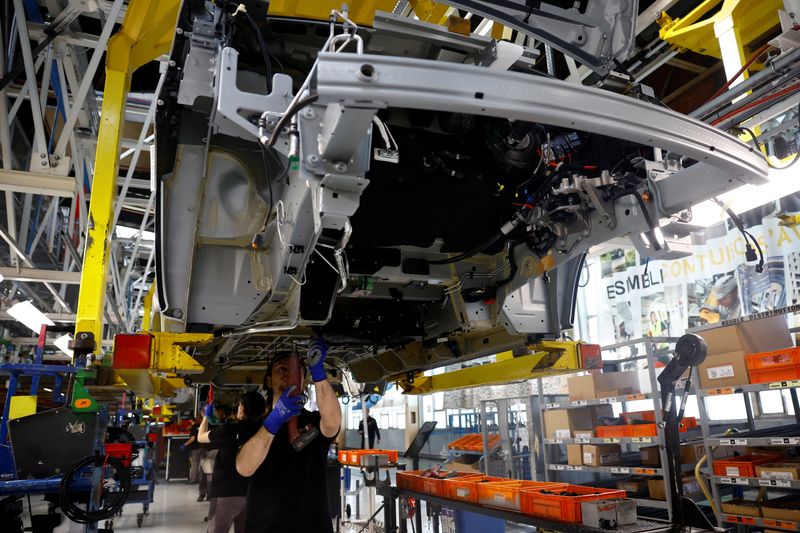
148	307
548	358
698	32
168	355
146	33
362	12
430	11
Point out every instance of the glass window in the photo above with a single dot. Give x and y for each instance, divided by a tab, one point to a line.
771	402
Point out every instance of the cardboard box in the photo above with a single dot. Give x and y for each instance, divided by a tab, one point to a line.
633	485
561	423
587	387
658	490
725	366
602	454
650	456
787	508
690	453
742	507
465	463
784	471
574	454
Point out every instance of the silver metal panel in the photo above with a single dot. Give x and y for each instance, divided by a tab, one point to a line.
421	84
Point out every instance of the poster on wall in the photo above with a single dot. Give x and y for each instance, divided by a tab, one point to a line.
715	284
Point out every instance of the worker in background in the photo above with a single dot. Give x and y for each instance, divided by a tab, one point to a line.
214	413
228	490
194	451
372	430
288	489
727	293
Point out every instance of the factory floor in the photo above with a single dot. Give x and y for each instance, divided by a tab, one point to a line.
176	510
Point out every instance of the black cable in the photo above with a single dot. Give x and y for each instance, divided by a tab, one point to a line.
288	114
760	265
84	516
269	183
262	46
466	255
758	144
585	267
371	518
477	294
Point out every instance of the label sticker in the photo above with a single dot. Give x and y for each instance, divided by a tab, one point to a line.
785	384
562	433
720	372
790	441
775	482
733	442
583	441
579	402
552	405
732	470
620	470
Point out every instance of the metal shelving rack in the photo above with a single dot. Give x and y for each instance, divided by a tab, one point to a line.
780	439
552	470
517	432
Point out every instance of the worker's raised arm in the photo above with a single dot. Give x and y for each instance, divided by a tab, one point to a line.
329	410
202	433
255	450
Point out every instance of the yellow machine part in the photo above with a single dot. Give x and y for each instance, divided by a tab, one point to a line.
696	31
362	12
547	358
168	359
146	33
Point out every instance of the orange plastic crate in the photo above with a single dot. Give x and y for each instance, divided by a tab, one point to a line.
778	365
409	480
506	494
564	508
612	431
744	465
643	430
353	457
473	442
436	486
466	488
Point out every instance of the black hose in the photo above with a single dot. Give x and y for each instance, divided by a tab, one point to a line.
287	115
117	500
465	255
478	294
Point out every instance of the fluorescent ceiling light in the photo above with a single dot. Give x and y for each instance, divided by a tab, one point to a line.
26	313
47	389
63	344
781	182
124	232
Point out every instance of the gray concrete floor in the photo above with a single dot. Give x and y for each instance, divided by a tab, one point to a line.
176	510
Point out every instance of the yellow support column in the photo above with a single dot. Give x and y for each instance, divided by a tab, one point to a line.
146	33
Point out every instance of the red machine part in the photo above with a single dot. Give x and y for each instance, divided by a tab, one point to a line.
131	351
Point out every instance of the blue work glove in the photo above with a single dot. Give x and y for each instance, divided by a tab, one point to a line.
209	412
183	447
286	408
317	351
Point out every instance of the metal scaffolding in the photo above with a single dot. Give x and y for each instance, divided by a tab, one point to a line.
49	125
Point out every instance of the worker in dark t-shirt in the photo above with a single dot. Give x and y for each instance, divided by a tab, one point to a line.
228	490
372	429
288	489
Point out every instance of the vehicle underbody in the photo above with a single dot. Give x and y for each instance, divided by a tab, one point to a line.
415	201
